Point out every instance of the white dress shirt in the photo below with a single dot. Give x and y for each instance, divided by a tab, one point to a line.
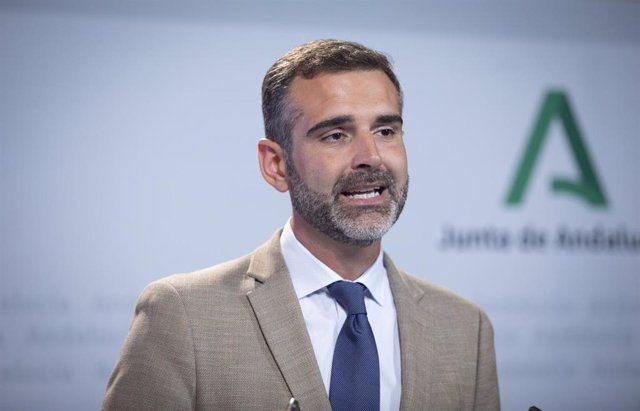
324	317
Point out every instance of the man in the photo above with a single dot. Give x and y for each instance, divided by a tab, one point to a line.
319	313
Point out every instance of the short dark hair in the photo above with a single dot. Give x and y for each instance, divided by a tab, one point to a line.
309	60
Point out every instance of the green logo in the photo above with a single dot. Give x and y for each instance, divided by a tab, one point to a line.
586	187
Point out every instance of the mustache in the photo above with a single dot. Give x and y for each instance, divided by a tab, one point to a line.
352	180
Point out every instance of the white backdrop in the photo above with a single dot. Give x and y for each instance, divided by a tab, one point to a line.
127	153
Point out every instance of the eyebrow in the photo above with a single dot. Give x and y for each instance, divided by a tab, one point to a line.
332	122
341	120
389	118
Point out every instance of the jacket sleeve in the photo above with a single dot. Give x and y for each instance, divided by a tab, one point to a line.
156	368
487	397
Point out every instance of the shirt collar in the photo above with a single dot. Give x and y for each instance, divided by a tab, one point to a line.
310	275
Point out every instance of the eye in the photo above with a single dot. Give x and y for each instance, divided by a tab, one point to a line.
386	132
335	136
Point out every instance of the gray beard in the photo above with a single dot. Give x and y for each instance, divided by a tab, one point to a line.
347	224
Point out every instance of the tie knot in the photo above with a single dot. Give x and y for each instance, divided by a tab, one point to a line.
349	295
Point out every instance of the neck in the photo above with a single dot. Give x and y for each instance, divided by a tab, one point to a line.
349	261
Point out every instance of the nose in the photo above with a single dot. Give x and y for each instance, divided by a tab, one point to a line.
366	153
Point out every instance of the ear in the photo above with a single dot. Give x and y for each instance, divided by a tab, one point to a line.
272	164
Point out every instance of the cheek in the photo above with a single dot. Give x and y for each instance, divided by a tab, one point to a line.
319	172
397	164
323	176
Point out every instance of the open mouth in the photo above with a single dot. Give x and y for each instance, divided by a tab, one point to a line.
361	194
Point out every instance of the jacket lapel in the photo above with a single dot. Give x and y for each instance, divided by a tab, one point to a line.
278	312
416	343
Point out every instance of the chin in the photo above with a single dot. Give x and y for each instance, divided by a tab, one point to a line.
366	232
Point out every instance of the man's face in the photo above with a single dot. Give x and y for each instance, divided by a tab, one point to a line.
347	170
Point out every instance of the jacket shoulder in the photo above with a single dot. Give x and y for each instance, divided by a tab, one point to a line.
439	298
228	275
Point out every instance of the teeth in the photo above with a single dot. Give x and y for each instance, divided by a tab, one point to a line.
370	194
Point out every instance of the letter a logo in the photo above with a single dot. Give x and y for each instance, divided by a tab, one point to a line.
587	187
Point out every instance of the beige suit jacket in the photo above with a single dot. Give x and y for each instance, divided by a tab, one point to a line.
232	337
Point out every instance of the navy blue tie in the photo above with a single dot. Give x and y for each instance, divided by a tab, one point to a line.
355	373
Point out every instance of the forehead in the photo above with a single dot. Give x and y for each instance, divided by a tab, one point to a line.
345	93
